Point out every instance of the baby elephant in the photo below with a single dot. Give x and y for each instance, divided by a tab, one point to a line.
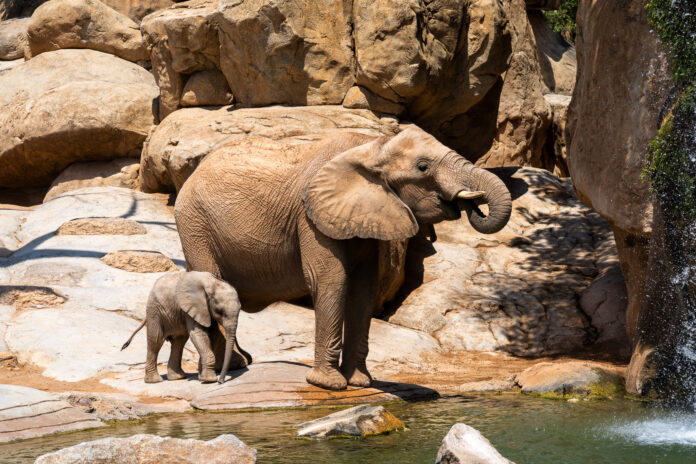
183	305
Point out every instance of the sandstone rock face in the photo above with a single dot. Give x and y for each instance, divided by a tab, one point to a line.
57	284
80	105
285	51
180	40
13	38
568	378
26	413
151	448
466	445
524	116
517	290
138	9
555	152
175	147
557	58
361	98
606	149
359	421
122	172
206	88
84	24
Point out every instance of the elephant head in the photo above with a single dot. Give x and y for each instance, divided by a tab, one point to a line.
206	299
386	189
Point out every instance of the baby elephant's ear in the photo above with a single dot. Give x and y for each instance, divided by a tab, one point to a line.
349	198
191	297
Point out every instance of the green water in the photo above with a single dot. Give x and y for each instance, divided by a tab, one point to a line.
524	429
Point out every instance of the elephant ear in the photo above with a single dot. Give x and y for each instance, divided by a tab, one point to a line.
192	299
348	197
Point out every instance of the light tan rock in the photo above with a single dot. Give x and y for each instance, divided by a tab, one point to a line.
175	147
138	9
67	106
139	261
8	65
290	52
607	149
488	386
27	413
101	226
515	291
557	57
555	152
83	24
465	445
139	449
570	378
13	38
524	117
359	421
180	40
440	58
206	88
116	173
361	98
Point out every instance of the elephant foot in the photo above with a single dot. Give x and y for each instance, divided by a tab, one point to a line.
330	379
175	374
357	377
207	376
153	378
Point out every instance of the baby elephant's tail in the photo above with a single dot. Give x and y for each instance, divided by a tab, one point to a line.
125	345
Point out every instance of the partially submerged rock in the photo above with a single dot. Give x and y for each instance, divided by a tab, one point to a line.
139	449
84	24
488	386
359	421
572	378
26	413
466	445
71	105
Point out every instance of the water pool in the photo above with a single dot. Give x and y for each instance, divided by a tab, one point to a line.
524	429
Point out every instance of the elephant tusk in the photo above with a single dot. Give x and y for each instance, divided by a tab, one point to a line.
468	195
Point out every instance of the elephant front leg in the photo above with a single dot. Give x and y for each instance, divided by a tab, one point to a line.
361	302
201	340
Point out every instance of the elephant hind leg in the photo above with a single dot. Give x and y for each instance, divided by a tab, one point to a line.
174	371
155	340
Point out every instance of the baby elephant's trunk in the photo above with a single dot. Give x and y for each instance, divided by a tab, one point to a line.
230	335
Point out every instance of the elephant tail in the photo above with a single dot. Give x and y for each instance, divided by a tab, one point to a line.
125	345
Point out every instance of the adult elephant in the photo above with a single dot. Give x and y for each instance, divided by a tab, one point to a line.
279	222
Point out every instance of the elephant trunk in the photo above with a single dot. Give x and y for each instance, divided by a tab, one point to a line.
230	335
467	182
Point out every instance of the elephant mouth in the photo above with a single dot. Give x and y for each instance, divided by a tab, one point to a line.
450	209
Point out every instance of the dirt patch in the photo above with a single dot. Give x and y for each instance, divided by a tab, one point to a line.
139	261
29	375
28	297
102	226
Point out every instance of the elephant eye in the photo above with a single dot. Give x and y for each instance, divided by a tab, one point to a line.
422	167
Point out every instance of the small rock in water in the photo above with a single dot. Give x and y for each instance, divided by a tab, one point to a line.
358	421
577	378
151	448
466	445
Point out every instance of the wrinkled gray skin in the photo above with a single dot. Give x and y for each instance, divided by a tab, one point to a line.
306	219
191	304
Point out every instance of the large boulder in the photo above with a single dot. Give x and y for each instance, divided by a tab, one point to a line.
175	147
121	172
180	41
138	9
607	149
84	24
206	88
557	57
13	38
282	51
517	290
572	378
142	448
67	106
27	413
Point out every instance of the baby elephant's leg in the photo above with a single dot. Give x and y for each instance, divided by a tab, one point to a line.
174	371
155	339
201	340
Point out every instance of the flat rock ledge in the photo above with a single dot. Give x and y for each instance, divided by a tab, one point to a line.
466	445
359	421
143	448
139	261
27	413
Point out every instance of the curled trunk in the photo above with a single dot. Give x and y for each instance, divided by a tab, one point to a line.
496	195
